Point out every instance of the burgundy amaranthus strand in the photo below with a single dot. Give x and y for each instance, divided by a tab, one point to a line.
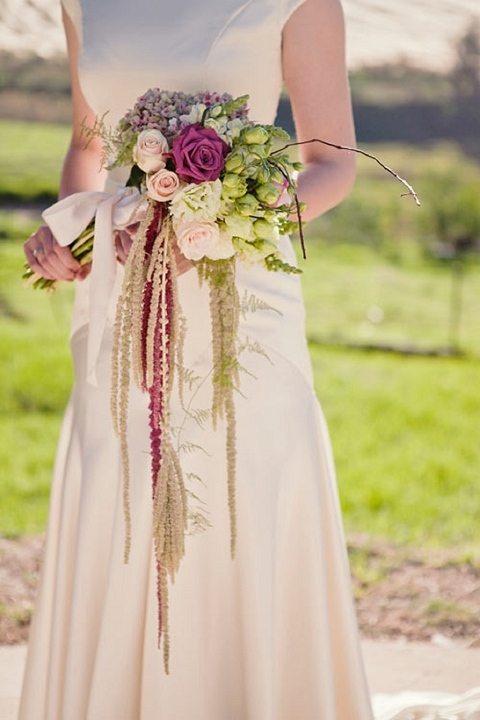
151	236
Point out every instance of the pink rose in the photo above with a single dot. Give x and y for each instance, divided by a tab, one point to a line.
199	154
196	239
149	151
162	185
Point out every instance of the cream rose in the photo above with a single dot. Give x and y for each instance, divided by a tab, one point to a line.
162	185
197	239
149	150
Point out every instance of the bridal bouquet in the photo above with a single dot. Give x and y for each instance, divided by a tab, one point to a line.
207	181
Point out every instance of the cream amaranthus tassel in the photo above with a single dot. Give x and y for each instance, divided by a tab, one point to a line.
225	314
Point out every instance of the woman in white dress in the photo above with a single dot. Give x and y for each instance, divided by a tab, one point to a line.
272	634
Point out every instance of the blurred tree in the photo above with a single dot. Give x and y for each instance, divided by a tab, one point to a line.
450	226
465	74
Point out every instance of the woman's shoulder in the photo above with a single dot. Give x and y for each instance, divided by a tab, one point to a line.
289	6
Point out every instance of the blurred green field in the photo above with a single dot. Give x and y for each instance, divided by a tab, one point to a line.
404	429
30	158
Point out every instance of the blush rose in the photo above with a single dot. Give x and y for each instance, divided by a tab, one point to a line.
197	239
149	150
162	185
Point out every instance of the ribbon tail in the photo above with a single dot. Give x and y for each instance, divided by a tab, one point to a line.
68	217
101	283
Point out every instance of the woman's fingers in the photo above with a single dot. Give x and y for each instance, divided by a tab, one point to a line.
132	229
84	271
183	264
123	243
47	258
34	260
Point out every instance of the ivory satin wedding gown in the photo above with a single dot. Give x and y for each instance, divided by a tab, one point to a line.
271	634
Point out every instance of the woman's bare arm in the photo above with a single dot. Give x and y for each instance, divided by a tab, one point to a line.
82	164
315	74
81	170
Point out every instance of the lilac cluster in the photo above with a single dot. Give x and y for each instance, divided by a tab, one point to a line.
161	110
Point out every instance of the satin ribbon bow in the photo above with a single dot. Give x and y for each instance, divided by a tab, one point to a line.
67	218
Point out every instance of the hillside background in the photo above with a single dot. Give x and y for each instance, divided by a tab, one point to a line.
391	294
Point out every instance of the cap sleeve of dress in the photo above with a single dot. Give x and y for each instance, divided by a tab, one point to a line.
288	8
74	10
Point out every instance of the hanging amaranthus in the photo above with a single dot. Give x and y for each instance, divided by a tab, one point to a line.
224	315
145	339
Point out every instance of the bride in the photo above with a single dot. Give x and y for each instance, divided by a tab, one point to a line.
271	634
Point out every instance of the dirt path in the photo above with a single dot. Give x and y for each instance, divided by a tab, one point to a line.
398	592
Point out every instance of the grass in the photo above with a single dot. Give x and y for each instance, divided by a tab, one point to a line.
404	430
35	375
404	433
30	157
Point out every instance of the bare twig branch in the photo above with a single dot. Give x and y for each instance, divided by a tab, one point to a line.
410	189
297	208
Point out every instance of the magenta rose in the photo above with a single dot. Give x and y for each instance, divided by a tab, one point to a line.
199	154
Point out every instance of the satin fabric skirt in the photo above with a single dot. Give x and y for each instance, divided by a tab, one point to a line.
269	635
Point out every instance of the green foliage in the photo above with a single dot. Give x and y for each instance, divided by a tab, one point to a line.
398	82
34	74
452	215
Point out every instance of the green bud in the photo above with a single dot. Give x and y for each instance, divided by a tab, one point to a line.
239	226
264	173
256	135
276	175
263	229
258	150
235	163
247	205
234	186
251	168
270	215
215	111
267	193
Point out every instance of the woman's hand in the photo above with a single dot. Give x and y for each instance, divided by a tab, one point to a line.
123	242
49	259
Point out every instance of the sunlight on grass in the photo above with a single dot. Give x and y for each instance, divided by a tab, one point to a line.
404	429
405	437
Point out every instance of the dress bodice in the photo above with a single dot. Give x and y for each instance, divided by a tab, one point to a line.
219	45
128	47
